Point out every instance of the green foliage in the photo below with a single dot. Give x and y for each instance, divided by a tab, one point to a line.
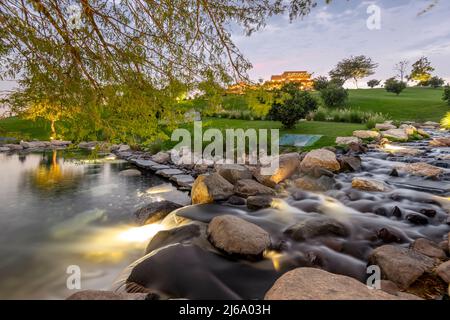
373	83
394	86
334	96
421	70
295	105
346	115
446	94
375	118
445	121
259	101
354	68
320	83
434	82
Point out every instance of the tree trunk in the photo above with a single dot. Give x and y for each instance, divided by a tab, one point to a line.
52	126
356	83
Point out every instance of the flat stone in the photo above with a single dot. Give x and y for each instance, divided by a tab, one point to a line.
395	135
155	211
237	236
366	134
248	187
13	147
323	183
233	172
157	167
315	227
316	284
161	157
440	142
146	164
4	149
321	158
34	144
167	173
183	180
130	173
347	140
400	265
384	126
368	184
60	143
421	169
428	248
259	202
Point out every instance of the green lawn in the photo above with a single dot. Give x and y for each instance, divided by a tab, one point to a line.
415	104
24	129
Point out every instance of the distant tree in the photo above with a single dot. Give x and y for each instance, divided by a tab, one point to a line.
435	82
394	86
294	105
402	69
334	96
320	83
354	68
373	83
446	95
421	70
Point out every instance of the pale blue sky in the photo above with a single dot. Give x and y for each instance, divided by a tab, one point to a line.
330	33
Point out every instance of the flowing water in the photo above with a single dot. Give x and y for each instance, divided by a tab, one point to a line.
56	212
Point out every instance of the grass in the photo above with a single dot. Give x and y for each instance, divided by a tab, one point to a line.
24	129
414	104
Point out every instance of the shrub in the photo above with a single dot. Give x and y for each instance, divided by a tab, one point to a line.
296	104
320	114
373	83
446	95
375	118
334	96
445	122
394	86
320	83
435	82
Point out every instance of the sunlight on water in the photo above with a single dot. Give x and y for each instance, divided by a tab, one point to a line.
140	234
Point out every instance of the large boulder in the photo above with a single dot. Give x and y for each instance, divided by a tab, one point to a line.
366	134
385	126
210	188
409	129
428	248
259	202
161	157
175	235
443	271
368	184
248	187
400	265
395	135
34	144
350	163
420	169
316	284
440	142
347	140
233	172
288	165
323	183
315	227
107	295
155	211
321	158
237	237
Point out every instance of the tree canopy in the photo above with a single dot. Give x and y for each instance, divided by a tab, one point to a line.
421	70
118	67
355	68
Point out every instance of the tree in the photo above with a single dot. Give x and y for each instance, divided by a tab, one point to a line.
446	95
320	83
435	82
334	96
421	70
402	69
123	64
394	86
354	68
292	105
373	83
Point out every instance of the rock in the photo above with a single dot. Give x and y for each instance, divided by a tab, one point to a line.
247	187
385	126
176	235
395	135
13	147
4	149
161	157
317	172
420	169
366	134
60	143
108	295
423	133
88	145
259	202
316	284
236	201
210	188
323	183
397	212
431	213
443	271
428	248
389	287
288	164
123	148
409	129
347	140
155	211
130	173
440	142
320	158
444	246
368	184
350	163
233	172
34	144
389	235
400	265
183	180
432	124
315	227
237	236
167	173
416	218
201	168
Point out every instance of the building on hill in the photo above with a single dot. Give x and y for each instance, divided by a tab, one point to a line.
301	78
240	88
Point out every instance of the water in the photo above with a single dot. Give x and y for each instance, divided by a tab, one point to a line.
56	212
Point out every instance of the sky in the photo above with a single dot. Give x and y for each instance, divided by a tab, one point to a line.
338	30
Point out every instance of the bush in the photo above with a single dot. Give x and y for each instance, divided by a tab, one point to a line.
320	83
436	82
295	105
334	96
394	86
373	83
375	118
445	122
320	114
446	95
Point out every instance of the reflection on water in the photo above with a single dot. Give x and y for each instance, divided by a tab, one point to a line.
56	212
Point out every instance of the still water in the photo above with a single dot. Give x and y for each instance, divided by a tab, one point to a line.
57	211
